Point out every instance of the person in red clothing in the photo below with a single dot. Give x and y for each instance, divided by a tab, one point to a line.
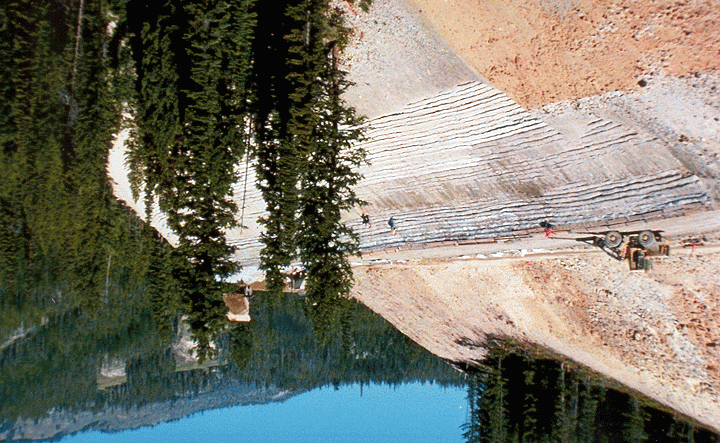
549	231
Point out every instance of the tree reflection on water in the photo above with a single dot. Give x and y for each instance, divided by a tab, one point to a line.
525	396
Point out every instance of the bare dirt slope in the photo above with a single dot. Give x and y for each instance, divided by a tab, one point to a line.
639	80
656	332
544	51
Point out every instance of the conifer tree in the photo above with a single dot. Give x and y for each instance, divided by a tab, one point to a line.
635	419
308	172
278	161
495	397
530	425
590	397
473	428
193	62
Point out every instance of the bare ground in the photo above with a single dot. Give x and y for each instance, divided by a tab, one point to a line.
544	51
655	332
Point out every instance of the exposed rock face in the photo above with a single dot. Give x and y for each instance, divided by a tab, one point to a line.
452	157
395	57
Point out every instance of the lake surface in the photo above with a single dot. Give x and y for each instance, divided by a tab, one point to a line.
380	413
77	379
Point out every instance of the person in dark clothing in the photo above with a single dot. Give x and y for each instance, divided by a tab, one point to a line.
366	220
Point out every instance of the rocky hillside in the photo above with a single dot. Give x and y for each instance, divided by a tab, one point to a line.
454	155
471	161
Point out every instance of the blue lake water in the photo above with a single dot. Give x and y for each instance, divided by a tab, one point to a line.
416	412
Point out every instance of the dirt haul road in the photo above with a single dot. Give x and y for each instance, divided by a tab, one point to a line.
655	332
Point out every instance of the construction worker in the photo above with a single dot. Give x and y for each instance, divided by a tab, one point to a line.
366	220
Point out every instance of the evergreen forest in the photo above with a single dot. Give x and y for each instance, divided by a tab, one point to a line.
86	284
58	367
200	85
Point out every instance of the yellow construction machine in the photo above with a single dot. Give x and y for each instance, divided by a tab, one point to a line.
634	246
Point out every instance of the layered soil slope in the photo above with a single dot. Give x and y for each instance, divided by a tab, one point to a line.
453	157
470	163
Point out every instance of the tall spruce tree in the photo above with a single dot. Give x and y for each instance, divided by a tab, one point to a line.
308	159
278	161
193	62
325	131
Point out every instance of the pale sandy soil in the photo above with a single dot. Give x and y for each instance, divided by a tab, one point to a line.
655	332
544	51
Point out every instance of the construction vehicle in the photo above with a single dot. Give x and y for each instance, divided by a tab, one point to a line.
634	246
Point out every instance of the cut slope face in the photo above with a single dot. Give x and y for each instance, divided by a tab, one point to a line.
454	158
471	163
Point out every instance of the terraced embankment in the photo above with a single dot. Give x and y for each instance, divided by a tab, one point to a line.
453	158
470	163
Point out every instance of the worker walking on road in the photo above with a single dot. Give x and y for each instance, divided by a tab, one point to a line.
391	223
549	231
366	220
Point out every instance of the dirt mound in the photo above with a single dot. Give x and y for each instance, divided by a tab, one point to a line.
544	51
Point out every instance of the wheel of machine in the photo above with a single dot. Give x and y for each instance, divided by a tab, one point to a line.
646	239
613	239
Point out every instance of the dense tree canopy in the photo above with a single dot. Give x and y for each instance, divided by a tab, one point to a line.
192	61
57	122
204	83
307	153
